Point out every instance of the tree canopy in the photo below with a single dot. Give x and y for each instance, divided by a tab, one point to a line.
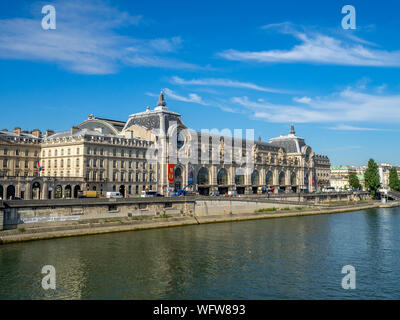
354	181
371	177
394	182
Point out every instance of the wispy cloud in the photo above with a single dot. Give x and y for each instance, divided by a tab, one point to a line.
343	148
225	83
349	105
343	127
191	98
318	48
88	39
305	100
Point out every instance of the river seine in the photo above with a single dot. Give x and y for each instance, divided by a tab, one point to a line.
285	258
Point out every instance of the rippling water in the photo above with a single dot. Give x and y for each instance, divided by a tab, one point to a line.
285	258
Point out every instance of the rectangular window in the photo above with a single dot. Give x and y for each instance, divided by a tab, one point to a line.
26	153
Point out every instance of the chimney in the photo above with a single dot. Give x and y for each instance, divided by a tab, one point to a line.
49	133
17	131
36	133
74	130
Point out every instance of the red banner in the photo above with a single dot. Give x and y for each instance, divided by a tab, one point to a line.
171	173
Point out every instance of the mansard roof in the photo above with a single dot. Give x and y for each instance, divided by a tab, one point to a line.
290	143
23	137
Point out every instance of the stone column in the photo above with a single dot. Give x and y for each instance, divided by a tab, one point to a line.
44	192
262	173
28	191
275	174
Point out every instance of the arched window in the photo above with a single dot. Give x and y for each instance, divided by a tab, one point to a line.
269	178
293	180
222	177
255	179
202	176
178	173
239	179
282	179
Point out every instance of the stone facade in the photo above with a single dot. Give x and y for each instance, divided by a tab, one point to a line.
108	155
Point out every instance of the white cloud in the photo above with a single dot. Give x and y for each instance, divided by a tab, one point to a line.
305	100
225	83
343	127
348	105
86	40
317	48
191	98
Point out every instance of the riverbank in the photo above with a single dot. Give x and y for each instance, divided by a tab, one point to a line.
164	221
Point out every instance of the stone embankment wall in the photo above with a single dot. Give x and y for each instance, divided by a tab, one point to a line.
234	206
38	212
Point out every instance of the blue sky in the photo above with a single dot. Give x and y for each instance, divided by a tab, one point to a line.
222	64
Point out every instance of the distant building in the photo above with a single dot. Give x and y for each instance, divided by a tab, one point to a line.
339	178
384	169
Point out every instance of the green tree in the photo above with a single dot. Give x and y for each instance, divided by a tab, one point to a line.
394	182
371	176
354	182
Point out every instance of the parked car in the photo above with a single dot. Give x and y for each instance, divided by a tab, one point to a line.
15	198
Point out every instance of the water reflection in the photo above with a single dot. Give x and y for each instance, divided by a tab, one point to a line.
288	258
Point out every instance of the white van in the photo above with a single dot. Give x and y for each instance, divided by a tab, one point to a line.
148	194
115	195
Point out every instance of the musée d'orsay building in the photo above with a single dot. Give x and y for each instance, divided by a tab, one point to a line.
108	155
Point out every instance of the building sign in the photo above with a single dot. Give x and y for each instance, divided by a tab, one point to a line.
171	173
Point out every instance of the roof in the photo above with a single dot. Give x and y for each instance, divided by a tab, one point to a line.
11	135
291	143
